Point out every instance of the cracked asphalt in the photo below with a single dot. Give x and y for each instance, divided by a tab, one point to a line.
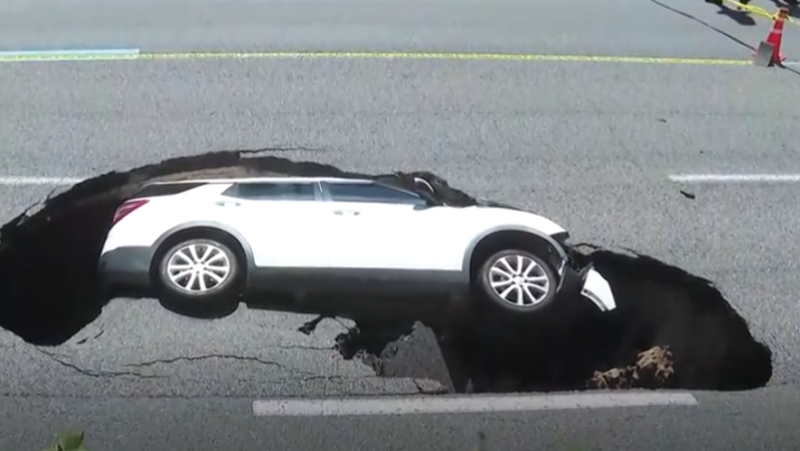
590	145
136	349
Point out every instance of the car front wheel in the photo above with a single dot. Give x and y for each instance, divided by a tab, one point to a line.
518	281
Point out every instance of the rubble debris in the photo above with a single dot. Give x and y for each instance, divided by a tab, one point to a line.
653	368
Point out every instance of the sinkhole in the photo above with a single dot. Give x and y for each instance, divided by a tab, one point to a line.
671	329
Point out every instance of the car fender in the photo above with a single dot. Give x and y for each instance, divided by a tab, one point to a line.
248	251
511	228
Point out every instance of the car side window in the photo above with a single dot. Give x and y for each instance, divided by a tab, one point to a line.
272	191
369	192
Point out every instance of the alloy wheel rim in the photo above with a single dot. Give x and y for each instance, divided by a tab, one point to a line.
519	280
198	268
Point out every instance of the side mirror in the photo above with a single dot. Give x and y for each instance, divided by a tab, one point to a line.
426	191
423	184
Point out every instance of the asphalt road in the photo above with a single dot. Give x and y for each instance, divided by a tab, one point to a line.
718	422
589	144
614	27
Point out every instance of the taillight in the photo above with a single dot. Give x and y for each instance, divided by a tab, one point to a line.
127	208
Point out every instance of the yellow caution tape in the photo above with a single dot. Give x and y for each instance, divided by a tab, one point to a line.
759	11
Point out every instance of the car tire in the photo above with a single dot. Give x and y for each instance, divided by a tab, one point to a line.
213	292
499	282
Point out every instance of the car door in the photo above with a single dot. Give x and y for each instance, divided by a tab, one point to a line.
379	227
281	222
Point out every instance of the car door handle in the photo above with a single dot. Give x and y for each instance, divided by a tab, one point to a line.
346	212
227	203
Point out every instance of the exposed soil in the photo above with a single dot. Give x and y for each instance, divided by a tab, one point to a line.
653	368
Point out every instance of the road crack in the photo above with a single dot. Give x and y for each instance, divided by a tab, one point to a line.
97	373
150	363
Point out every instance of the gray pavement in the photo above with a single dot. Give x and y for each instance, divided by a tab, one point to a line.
138	349
590	145
615	27
759	420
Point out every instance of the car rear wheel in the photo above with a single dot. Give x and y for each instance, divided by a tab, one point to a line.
518	281
199	273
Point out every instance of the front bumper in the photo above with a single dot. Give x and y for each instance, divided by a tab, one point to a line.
589	284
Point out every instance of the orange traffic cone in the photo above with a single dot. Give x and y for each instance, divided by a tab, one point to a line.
775	37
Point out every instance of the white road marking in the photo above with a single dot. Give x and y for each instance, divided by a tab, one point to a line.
38	181
735	178
465	404
68	55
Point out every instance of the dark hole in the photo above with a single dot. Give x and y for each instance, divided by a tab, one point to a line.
672	329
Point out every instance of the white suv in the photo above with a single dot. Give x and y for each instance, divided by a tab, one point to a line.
207	242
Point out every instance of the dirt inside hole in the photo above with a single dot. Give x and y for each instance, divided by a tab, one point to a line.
671	329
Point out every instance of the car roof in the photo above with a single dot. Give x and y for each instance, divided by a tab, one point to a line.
266	179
